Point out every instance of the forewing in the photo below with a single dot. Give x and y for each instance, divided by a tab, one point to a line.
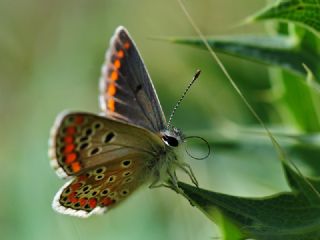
126	90
82	141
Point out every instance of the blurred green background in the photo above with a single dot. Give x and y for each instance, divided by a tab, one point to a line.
50	59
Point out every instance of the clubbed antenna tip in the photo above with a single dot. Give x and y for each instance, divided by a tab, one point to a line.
196	75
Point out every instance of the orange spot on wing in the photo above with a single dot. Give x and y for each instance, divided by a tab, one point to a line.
112	90
92	202
83	201
75	167
120	54
71	130
79	120
126	45
69	148
71	157
117	63
68	139
114	76
75	186
107	201
111	105
72	197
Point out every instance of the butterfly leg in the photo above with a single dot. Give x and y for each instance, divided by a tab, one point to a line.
160	185
172	182
188	170
156	184
173	179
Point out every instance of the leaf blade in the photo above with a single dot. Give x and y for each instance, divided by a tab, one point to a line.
283	51
303	12
282	216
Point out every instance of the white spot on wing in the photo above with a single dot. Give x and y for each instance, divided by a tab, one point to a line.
52	145
59	171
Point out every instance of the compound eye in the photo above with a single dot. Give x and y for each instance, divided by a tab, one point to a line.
170	141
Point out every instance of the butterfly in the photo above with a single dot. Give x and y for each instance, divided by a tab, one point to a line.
107	157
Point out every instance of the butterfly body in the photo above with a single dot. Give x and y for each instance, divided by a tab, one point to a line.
108	156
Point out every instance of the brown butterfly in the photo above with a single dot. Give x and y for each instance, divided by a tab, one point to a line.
108	157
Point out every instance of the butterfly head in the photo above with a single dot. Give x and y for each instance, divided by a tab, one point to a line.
172	137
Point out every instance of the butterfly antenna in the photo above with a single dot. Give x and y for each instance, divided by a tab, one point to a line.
195	77
195	157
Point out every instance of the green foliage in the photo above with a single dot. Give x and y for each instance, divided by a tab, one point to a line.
304	113
294	54
293	49
292	214
305	12
289	215
281	50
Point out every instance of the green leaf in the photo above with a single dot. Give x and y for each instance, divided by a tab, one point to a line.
283	51
304	12
308	153
311	81
304	112
289	215
248	148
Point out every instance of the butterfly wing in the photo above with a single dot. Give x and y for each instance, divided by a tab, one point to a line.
126	91
83	141
107	159
99	189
